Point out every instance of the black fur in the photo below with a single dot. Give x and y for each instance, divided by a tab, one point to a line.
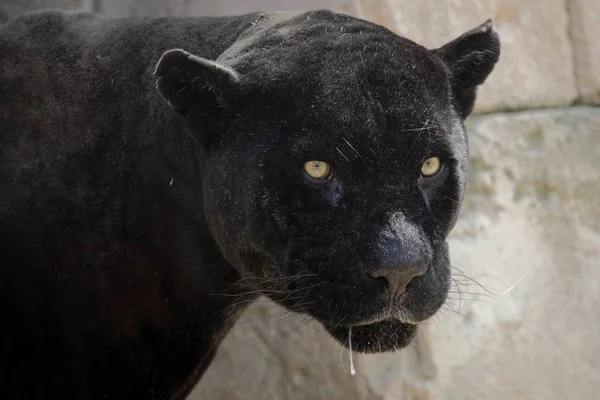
136	228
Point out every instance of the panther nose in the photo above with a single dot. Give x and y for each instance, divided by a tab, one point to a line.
397	279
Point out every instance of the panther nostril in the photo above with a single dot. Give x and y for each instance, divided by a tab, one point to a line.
413	281
398	280
382	280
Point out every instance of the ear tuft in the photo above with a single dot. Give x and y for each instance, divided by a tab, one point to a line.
470	58
185	80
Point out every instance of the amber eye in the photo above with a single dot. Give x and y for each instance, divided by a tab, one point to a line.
317	169
430	167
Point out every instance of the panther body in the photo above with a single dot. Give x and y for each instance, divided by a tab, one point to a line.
153	183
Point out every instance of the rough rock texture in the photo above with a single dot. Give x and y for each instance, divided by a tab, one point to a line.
531	218
536	66
585	33
377	11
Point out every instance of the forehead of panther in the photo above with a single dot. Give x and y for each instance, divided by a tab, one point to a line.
329	49
335	76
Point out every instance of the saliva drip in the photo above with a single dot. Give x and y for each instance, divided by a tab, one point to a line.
352	370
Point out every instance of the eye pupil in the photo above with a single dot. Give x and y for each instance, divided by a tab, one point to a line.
317	169
430	167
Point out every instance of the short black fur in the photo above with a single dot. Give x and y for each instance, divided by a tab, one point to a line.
152	186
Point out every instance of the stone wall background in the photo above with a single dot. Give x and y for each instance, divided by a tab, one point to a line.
528	324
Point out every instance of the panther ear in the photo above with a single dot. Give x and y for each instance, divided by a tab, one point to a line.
470	58
186	80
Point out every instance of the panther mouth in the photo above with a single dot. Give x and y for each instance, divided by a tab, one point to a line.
384	332
377	320
383	336
376	324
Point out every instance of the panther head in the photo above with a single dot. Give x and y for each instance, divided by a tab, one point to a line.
334	158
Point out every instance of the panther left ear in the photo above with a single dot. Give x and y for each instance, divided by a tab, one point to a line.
470	58
186	80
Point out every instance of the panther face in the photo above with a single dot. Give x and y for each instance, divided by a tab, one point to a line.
334	161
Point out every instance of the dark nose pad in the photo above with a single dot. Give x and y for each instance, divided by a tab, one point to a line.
397	279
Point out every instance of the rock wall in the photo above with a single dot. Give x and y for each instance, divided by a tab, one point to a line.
523	320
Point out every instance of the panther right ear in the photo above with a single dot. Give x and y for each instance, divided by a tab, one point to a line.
470	59
186	80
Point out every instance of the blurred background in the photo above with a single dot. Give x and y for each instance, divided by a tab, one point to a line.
523	321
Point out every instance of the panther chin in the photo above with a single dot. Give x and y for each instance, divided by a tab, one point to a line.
382	336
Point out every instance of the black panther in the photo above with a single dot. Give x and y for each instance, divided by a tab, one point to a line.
159	174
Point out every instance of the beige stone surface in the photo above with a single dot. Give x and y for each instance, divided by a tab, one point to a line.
377	11
536	65
532	221
585	36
